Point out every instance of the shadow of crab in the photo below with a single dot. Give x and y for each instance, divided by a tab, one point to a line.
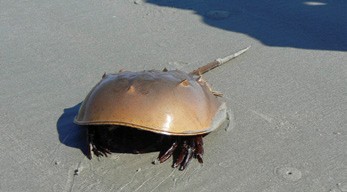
71	134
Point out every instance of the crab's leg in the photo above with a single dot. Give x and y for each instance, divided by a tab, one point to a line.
190	148
199	150
181	156
169	152
101	151
90	141
93	147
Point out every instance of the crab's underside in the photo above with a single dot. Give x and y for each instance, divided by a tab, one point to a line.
104	140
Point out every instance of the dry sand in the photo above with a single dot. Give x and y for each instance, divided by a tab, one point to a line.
287	96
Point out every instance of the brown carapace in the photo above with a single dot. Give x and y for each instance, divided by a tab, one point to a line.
168	110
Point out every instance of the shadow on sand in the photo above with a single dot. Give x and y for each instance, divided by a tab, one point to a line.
71	134
320	24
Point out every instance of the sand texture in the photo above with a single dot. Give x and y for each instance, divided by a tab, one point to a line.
286	96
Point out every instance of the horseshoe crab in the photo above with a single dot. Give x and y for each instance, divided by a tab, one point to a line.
150	110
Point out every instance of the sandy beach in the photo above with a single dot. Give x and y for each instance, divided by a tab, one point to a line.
286	96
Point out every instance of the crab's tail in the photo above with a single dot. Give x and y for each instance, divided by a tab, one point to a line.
218	62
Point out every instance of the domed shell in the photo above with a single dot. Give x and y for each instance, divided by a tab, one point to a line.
165	102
